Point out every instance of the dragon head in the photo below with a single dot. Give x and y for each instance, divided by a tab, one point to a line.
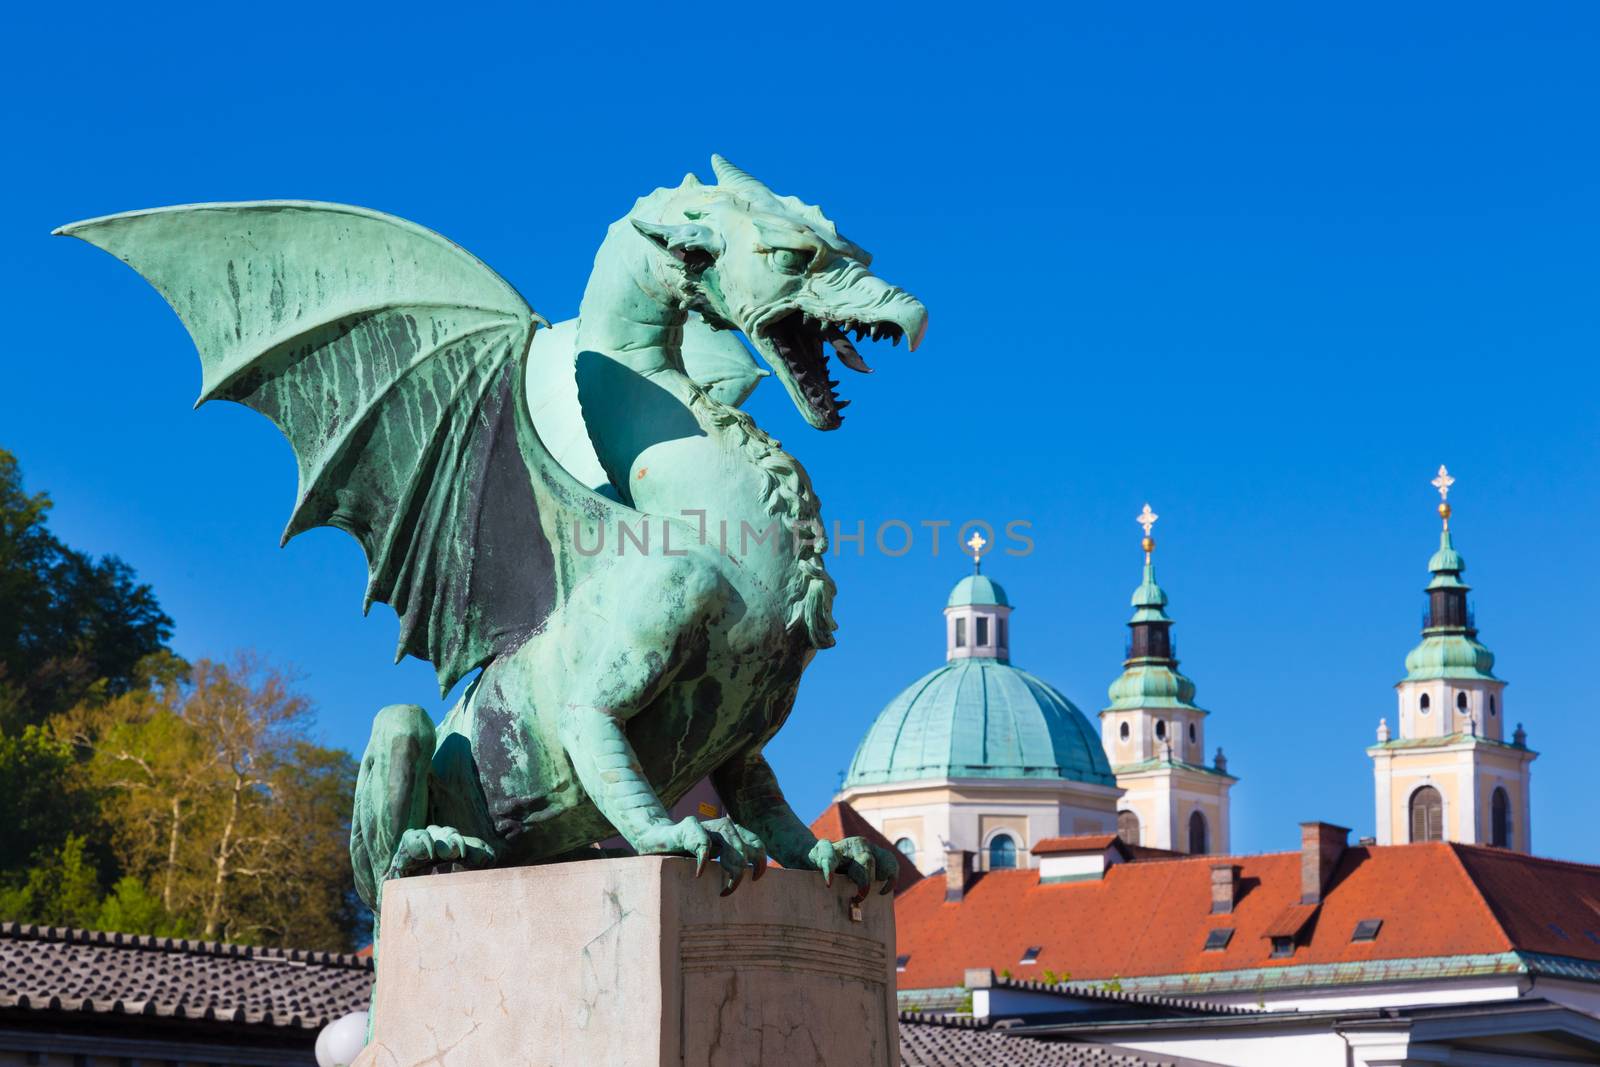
777	270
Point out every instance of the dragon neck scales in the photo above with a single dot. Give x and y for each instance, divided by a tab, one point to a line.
632	314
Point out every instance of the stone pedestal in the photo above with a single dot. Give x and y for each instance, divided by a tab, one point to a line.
632	963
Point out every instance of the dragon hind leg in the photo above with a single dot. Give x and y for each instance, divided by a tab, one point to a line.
390	835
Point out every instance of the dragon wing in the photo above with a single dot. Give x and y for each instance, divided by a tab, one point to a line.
390	358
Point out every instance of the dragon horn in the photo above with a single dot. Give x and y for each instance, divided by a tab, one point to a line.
733	178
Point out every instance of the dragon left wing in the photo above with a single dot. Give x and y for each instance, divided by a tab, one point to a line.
389	357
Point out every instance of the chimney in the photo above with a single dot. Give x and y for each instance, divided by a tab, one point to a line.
1321	845
1224	887
957	874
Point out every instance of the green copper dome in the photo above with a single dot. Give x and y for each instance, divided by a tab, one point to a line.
977	589
1449	656
1446	564
1151	685
1150	677
1450	646
979	718
1149	600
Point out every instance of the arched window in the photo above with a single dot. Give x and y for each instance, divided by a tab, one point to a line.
907	848
1427	815
1161	728
1002	853
1422	704
1193	734
1123	733
1128	827
1500	819
1197	834
1491	703
1461	701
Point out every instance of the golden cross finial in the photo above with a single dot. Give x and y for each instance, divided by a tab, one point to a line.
1443	482
1147	519
976	543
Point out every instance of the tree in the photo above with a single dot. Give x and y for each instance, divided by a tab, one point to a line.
68	621
222	807
63	890
44	797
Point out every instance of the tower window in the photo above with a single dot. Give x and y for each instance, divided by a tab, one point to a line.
1123	731
1192	733
1491	703
1197	834
1427	815
1500	818
961	633
1002	853
1161	728
1128	827
1461	702
1422	703
1000	630
983	631
907	848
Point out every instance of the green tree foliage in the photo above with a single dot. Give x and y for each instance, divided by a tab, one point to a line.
44	797
220	804
63	890
140	794
68	621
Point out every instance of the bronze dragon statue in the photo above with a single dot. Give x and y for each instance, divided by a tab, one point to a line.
637	569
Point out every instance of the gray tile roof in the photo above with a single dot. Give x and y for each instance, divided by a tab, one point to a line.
61	969
934	1041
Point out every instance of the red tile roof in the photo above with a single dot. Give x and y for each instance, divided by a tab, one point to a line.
841	820
1151	918
1082	843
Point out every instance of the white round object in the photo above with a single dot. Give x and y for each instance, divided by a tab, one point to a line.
342	1040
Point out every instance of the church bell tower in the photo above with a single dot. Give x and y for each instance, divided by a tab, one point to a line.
1154	735
1447	772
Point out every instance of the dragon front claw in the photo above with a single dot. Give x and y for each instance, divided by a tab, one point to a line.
861	861
734	848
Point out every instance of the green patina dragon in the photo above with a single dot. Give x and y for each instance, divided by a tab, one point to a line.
634	565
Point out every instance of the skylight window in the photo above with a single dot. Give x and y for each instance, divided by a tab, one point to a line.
1218	939
1562	934
1367	930
1032	955
900	962
1592	936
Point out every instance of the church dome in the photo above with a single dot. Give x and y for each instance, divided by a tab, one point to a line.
978	716
977	589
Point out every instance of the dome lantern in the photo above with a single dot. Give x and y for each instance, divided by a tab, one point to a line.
977	614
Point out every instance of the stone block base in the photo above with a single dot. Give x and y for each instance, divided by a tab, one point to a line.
632	963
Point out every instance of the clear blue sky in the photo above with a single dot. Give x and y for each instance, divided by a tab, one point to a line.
1264	266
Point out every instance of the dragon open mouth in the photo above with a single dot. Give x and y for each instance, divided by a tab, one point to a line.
797	341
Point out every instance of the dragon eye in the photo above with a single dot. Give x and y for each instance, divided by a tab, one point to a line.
792	260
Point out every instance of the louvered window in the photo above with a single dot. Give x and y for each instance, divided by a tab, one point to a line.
1427	815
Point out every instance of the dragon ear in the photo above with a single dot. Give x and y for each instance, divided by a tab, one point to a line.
687	242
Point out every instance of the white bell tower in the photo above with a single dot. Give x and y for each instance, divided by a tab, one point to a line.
1446	771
